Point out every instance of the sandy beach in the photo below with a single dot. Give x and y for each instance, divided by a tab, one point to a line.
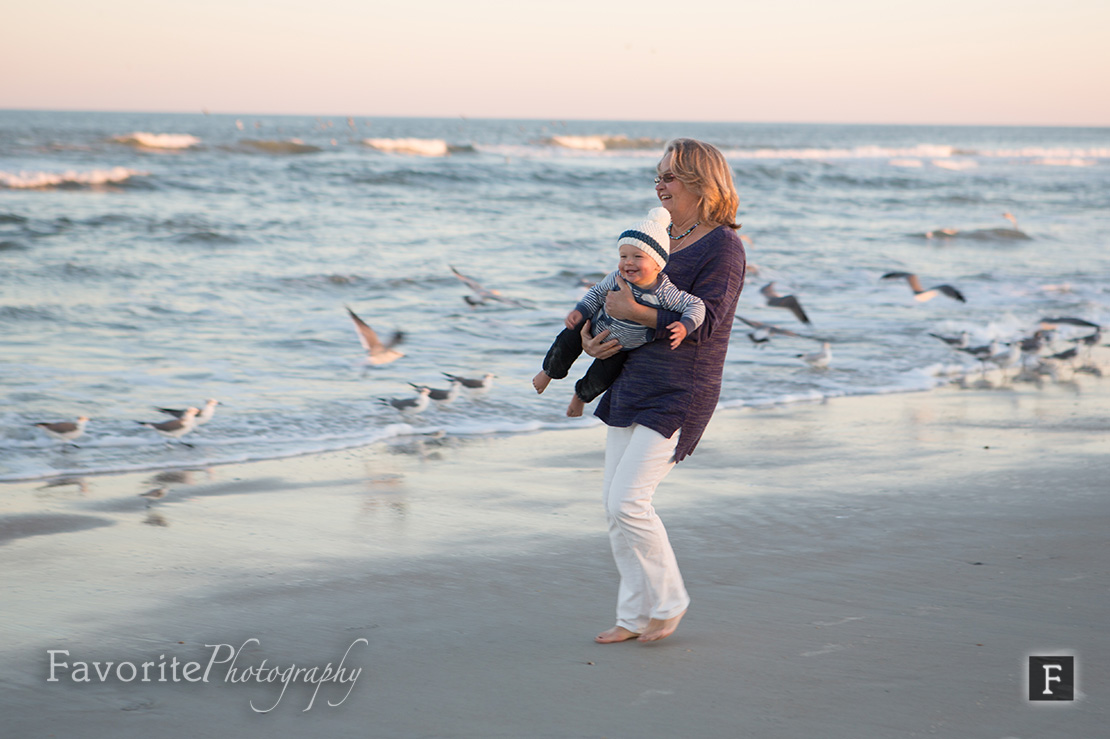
876	566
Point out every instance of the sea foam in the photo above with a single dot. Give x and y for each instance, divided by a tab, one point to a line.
418	147
158	140
71	178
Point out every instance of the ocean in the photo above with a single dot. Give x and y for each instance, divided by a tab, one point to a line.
157	260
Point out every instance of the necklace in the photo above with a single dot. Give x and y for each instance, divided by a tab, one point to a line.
684	235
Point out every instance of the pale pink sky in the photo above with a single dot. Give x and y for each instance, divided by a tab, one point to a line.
944	61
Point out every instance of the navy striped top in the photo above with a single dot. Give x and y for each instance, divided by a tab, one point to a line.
667	390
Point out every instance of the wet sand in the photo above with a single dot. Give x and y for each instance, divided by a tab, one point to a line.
866	567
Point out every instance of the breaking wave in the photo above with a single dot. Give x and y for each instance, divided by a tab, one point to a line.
417	147
158	140
603	143
71	178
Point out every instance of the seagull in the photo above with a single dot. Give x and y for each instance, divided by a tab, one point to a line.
177	427
1050	323
956	342
482	295
410	405
760	336
1090	340
376	351
783	301
923	295
1066	355
442	396
154	494
1007	359
764	332
203	417
818	360
1033	344
65	430
983	353
471	384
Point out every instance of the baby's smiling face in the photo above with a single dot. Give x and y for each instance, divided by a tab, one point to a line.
637	267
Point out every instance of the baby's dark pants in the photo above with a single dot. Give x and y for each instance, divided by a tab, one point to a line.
563	352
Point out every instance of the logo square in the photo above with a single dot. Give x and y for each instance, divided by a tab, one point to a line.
1052	678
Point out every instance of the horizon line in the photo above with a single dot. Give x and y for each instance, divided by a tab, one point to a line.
550	119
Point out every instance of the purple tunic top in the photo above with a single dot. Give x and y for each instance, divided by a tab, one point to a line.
667	389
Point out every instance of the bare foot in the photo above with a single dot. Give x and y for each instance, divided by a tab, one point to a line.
614	635
577	405
541	381
660	628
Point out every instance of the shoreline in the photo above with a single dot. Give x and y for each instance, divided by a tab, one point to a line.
862	566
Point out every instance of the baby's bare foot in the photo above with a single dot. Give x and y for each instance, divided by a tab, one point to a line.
541	381
577	405
660	628
614	635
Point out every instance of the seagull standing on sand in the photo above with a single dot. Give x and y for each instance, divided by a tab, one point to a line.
439	395
920	294
477	386
203	417
177	427
65	431
376	351
789	302
818	360
1007	359
410	405
154	494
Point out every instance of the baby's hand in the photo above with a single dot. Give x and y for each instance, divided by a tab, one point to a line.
573	319
678	333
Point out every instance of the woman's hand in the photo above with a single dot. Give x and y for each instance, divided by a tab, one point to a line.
620	304
599	347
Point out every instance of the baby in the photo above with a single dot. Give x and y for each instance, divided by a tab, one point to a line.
644	251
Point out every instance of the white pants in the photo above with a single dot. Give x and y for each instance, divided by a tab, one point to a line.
636	461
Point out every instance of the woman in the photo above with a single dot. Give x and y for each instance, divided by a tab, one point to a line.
663	399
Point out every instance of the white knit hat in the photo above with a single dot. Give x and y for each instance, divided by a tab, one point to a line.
651	236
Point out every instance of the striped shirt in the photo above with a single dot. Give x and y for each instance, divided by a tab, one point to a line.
631	335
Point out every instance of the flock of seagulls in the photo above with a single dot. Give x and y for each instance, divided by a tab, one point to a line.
378	352
1033	354
1028	353
1025	351
183	422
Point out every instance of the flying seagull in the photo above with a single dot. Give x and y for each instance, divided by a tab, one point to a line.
482	294
376	351
1050	323
923	295
789	302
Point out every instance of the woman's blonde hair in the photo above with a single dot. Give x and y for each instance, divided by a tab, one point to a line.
702	168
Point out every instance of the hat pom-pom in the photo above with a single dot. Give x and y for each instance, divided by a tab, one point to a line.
660	215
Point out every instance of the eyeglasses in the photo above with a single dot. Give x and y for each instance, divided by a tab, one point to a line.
668	178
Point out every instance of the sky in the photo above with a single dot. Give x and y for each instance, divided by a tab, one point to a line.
1014	62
